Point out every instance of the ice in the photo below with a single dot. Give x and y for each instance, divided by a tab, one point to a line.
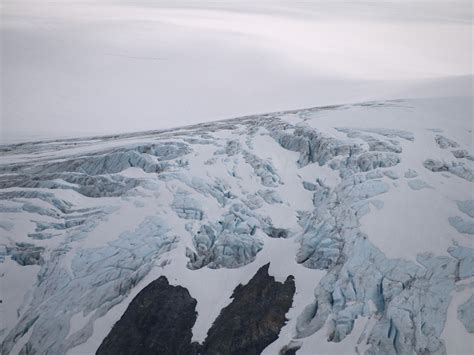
456	168
462	225
186	207
465	257
315	147
263	169
391	174
230	243
26	254
466	315
418	184
445	143
410	174
367	161
99	279
6	225
374	143
463	153
270	196
99	218
467	207
391	133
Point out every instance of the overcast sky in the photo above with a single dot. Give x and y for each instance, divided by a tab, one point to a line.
78	67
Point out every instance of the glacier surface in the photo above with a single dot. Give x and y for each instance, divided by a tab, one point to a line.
91	221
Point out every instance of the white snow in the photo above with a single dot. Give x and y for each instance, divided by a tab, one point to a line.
74	68
407	224
458	340
79	68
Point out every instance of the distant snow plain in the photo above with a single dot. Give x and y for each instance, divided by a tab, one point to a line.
72	68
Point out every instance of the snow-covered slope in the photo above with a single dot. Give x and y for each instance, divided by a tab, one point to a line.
82	67
369	207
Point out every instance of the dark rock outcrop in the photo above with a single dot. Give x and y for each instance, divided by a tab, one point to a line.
159	320
254	318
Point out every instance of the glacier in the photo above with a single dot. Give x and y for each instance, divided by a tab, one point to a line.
328	197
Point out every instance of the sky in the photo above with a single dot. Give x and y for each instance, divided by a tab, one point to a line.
73	68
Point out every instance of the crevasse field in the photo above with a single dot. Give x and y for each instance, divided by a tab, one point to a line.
236	177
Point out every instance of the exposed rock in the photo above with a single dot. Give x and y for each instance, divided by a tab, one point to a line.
253	319
159	320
